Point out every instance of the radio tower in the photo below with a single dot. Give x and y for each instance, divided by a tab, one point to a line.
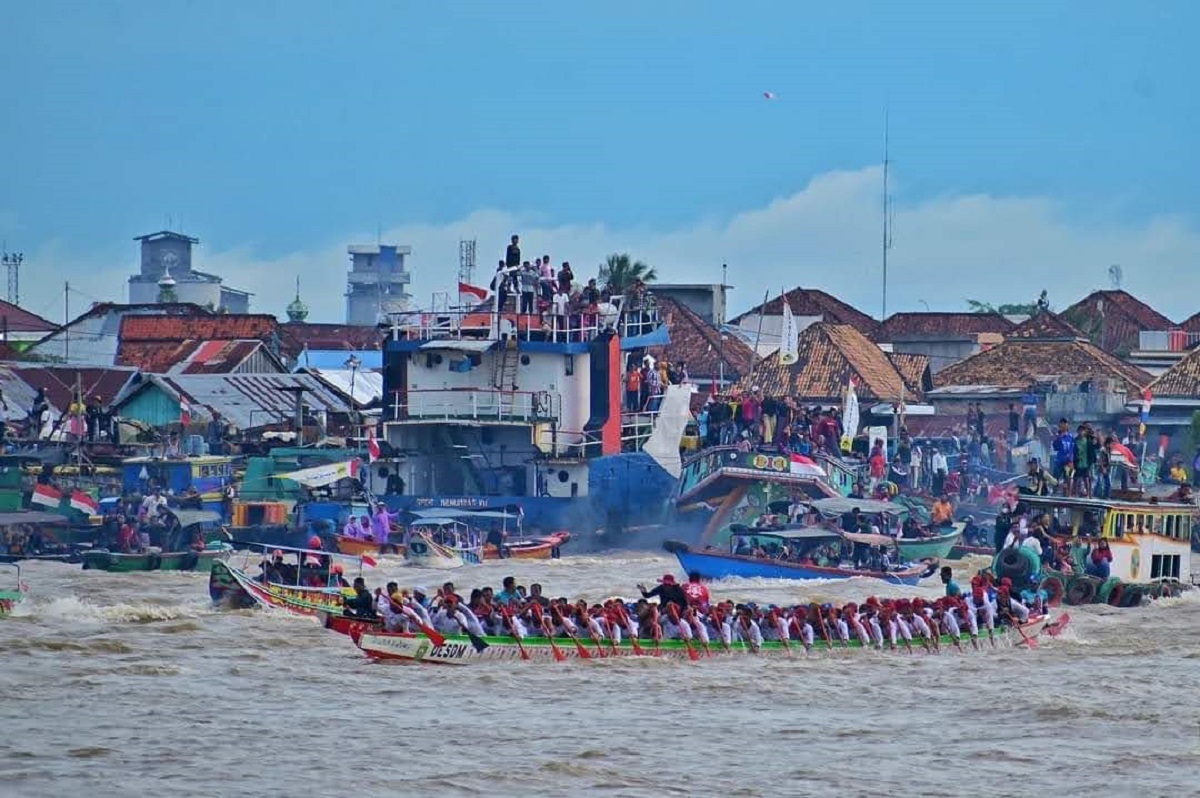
466	261
12	264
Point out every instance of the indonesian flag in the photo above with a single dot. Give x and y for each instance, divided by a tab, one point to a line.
46	496
185	412
1122	454
372	447
806	466
84	503
1147	400
470	294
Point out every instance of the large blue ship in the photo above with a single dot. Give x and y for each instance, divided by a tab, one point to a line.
489	410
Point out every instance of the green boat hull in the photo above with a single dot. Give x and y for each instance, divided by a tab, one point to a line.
9	599
166	561
937	548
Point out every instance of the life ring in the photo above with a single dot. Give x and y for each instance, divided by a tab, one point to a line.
1133	596
1082	590
1135	562
1055	589
1116	595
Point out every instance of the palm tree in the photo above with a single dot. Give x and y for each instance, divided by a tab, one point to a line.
619	271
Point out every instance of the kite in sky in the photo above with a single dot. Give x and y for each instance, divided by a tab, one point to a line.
770	95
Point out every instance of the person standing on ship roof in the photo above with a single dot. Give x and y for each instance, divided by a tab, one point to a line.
668	592
512	255
500	286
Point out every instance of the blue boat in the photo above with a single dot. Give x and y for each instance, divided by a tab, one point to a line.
714	563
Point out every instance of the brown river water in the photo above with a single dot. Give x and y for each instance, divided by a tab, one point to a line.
131	685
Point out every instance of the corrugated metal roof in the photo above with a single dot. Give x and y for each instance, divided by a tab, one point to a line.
336	359
368	385
249	401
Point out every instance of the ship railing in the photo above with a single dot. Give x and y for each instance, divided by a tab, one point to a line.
636	429
475	404
578	326
573	444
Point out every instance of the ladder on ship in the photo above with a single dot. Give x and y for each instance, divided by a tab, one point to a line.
504	367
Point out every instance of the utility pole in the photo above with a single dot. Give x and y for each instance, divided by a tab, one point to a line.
720	320
67	322
887	218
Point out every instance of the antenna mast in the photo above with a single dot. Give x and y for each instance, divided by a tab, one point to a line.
887	217
466	261
12	263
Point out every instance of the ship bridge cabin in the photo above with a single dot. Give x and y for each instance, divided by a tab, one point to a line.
484	404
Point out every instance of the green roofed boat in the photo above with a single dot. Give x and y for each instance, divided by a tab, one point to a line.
174	553
11	596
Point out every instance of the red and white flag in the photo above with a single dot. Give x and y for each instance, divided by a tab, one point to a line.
806	466
84	503
470	294
185	412
1121	454
372	446
46	496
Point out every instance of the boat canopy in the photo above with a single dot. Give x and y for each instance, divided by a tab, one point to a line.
1108	504
31	517
869	539
840	506
451	512
802	533
188	518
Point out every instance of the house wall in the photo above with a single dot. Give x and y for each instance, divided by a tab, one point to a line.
941	353
152	406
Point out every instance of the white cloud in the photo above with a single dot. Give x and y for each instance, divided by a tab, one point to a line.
826	235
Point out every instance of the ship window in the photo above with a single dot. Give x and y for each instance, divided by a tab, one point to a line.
569	364
1160	524
1174	563
1156	566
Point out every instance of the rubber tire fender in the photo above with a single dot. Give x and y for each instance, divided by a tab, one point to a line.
1081	591
1116	595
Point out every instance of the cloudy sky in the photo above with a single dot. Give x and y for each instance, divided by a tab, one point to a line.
1033	144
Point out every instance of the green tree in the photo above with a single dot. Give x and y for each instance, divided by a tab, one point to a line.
1011	308
619	271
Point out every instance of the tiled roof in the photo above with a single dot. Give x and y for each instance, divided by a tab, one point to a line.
197	327
1045	324
294	337
1020	362
914	369
814	302
1191	323
1181	380
941	325
830	354
698	344
14	318
1113	319
221	357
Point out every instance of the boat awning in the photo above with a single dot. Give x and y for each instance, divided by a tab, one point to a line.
460	345
804	533
868	539
32	517
188	518
450	512
840	506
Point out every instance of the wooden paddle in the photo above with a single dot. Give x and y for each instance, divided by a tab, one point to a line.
673	611
698	627
587	622
428	631
719	621
544	622
655	630
512	627
782	630
579	648
1055	628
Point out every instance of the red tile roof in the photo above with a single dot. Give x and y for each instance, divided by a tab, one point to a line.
1181	381
220	357
900	326
914	368
1020	362
814	302
1046	325
1191	323
154	357
830	354
1113	319
698	344
295	337
198	328
14	318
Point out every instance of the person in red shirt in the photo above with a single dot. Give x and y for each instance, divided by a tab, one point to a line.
696	591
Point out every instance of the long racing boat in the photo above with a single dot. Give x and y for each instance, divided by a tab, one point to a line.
462	650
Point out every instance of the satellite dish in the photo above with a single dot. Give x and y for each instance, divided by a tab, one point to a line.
1115	275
